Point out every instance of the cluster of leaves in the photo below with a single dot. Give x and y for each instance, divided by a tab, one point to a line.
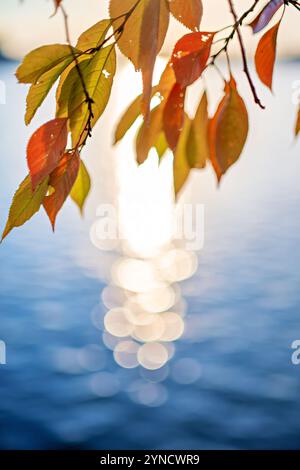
85	74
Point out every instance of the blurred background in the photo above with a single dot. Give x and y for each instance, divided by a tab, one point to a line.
146	344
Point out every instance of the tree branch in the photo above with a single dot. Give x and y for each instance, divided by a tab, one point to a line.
243	52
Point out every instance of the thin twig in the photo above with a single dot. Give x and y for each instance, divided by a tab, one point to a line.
88	99
244	57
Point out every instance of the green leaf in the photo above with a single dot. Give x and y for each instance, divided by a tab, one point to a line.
41	60
25	203
82	186
38	91
94	36
98	74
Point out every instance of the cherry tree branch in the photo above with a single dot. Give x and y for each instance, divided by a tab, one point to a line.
243	52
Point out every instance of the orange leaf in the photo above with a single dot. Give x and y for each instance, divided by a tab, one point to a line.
148	134
61	180
45	148
228	130
149	49
190	55
188	12
129	42
265	56
174	115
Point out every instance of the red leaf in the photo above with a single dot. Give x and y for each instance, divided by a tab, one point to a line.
190	55
265	16
61	180
45	148
174	115
265	56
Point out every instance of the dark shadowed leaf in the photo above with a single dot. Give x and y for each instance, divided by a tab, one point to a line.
265	16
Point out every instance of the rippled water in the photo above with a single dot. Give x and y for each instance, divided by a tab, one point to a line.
230	383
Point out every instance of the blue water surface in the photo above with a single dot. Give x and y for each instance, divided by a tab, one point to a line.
61	388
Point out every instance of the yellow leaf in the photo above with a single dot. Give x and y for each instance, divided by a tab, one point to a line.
98	74
38	91
41	60
181	167
148	134
25	203
94	36
129	117
81	187
161	145
197	143
130	40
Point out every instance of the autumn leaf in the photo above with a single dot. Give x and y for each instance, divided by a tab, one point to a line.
129	42
188	12
173	115
197	142
61	181
149	49
148	134
82	186
265	56
134	110
181	167
25	203
265	16
93	36
161	145
98	74
45	149
39	91
41	60
129	117
190	56
228	130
